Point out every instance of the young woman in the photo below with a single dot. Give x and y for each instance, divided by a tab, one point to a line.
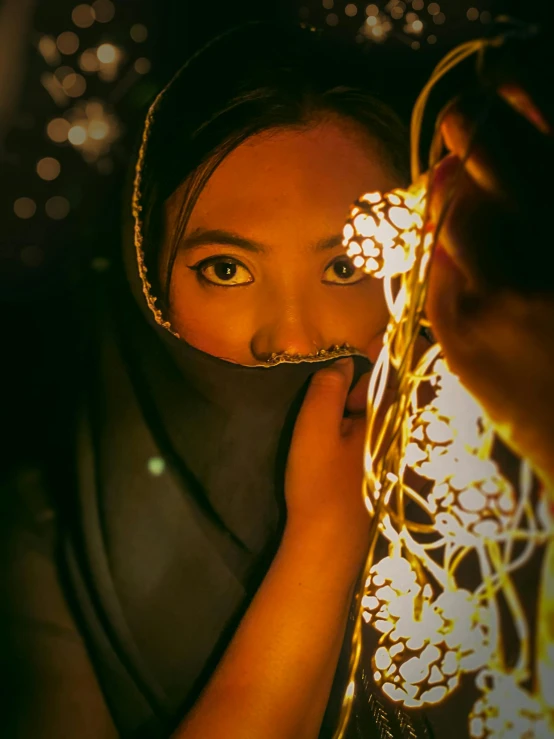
204	572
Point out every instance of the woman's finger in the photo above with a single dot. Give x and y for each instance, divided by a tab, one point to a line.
324	404
490	241
499	147
356	402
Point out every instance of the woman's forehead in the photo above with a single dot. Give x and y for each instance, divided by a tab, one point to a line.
286	175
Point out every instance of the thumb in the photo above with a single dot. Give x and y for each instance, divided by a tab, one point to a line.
325	400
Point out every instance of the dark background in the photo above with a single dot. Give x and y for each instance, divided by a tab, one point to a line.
45	260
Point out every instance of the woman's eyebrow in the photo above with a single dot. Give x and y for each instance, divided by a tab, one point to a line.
329	243
202	237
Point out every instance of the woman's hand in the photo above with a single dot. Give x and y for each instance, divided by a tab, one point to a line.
325	470
491	293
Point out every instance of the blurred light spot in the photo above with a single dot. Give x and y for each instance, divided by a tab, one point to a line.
104	10
139	33
48	49
415	45
98	130
417	26
100	264
327	4
88	61
94	109
32	256
418	4
432	39
57	130
397	12
83	16
486	17
351	10
74	85
24	208
371	21
439	18
411	17
62	72
77	135
372	10
106	53
142	65
472	14
433	8
48	168
57	207
156	466
67	42
332	19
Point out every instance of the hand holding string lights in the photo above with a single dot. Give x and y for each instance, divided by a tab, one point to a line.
432	630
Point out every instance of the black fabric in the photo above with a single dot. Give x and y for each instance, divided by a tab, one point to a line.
162	567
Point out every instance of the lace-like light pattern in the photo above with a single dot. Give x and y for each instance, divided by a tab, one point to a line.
433	630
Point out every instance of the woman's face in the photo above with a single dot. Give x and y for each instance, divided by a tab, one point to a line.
260	269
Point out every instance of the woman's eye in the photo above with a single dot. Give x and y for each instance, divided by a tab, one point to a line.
223	271
343	272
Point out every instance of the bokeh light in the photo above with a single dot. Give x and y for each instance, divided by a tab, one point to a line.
156	466
104	10
88	61
83	16
48	168
472	14
439	18
57	207
57	130
432	39
139	33
328	4
372	10
143	65
77	135
106	53
351	10
49	50
418	4
24	208
332	19
74	85
433	8
67	42
98	130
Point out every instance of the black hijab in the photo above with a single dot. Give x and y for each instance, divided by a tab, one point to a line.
181	455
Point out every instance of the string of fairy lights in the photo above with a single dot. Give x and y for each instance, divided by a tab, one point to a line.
432	629
413	22
80	59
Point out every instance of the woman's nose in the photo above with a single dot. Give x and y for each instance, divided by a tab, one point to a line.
292	330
